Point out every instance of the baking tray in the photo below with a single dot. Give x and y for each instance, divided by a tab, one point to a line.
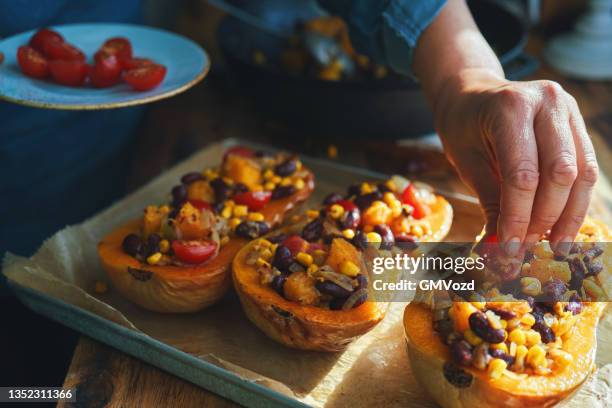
183	364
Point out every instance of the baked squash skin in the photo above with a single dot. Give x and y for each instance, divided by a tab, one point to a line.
181	289
295	325
429	355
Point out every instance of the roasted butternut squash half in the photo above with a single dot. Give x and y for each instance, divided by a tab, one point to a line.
177	257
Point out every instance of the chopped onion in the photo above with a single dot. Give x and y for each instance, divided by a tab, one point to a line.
400	183
327	273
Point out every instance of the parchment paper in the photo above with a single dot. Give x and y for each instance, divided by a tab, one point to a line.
373	371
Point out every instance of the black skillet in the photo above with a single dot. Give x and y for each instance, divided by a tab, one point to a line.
391	108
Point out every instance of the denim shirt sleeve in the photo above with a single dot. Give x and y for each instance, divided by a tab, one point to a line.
386	30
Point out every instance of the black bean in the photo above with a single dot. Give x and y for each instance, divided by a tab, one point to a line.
278	283
461	352
332	198
546	333
386	234
559	257
595	268
553	290
406	242
457	376
218	206
578	272
360	240
576	248
240	188
382	187
331	289
282	258
336	303
221	189
529	256
362	282
286	168
350	219
191	177
179	195
282	192
353	190
153	243
277	239
444	328
362	298
505	314
263	153
480	325
592	253
313	231
497	353
365	200
132	244
328	238
574	305
252	229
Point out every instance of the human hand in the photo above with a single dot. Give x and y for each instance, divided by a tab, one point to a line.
524	150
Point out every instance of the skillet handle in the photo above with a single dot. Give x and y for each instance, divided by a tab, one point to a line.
521	66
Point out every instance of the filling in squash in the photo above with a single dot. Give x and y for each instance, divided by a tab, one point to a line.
211	206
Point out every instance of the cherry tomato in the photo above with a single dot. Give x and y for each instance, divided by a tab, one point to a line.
70	73
118	46
239	151
59	50
43	36
410	196
313	246
32	63
133	63
106	71
200	204
491	239
346	204
296	244
145	78
194	252
255	200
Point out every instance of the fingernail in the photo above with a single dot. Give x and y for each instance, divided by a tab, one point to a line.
531	239
512	246
563	246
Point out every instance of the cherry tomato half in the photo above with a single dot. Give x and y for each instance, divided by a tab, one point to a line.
106	71
194	252
145	78
60	50
200	204
32	62
296	244
133	63
255	200
70	73
410	196
43	36
241	151
118	46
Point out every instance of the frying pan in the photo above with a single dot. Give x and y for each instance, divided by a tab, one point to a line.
389	108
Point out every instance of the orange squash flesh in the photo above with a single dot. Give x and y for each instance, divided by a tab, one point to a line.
440	219
181	289
428	354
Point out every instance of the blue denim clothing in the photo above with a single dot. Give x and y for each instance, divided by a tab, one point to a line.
386	30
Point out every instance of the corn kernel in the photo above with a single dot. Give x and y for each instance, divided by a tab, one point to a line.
561	358
286	182
230	203
164	209
517	336
312	214
532	338
304	258
366	188
255	216
228	181
295	219
348	233
536	357
264	243
266	254
528	319
479	305
336	211
269	186
348	268
299	184
499	346
312	269
268	174
224	240
101	287
226	212
240	210
389	198
234	222
496	367
276	179
153	259
373	237
531	286
472	337
504	324
164	246
319	256
332	151
210	174
512	350
262	262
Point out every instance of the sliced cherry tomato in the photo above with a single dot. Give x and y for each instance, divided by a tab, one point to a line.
239	151
133	63
296	244
60	50
313	246
194	252
32	62
43	36
70	73
255	200
200	204
106	71
346	204
118	46
410	196
145	78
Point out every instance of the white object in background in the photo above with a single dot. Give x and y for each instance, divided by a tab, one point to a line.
586	52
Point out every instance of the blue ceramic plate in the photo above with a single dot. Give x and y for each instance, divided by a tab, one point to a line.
187	64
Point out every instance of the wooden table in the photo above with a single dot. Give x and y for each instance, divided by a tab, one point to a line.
214	110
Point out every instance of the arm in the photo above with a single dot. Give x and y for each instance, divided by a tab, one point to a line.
521	146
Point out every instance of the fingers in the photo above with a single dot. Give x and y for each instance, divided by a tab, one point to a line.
484	182
557	157
564	231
